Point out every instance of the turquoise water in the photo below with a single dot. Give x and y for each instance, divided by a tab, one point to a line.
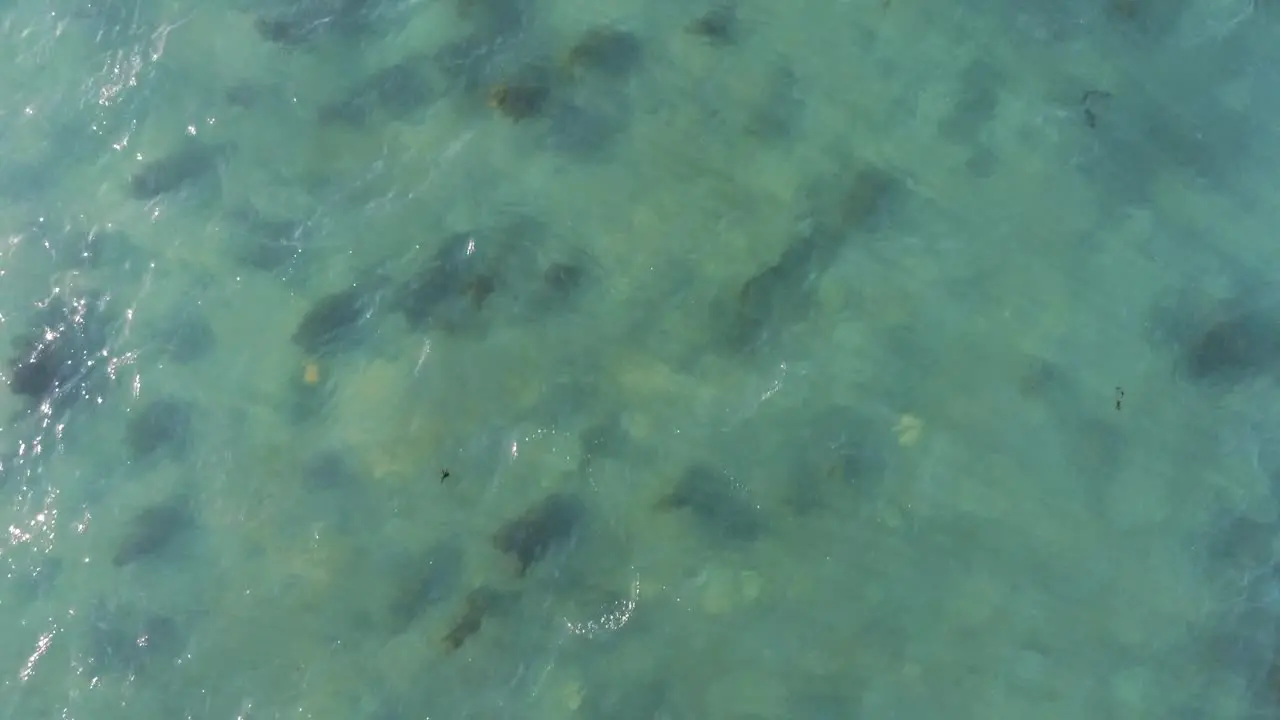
395	360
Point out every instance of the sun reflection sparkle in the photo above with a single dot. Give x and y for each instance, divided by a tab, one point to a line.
42	647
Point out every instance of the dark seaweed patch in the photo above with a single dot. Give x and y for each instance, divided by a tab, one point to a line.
264	243
110	249
476	609
528	538
608	51
128	641
781	292
187	335
63	354
496	19
560	282
192	162
717	503
521	98
452	288
428	581
329	471
839	449
395	92
334	321
153	531
979	97
780	110
161	425
1234	347
314	20
585	128
719	25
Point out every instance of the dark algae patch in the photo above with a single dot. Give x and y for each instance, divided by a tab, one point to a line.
608	51
528	538
395	92
191	162
1236	345
187	335
426	581
479	605
160	426
521	98
781	293
334	321
129	641
718	26
717	504
153	531
62	353
453	286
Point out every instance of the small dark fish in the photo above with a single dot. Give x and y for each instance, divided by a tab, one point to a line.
192	162
160	425
153	531
716	502
479	603
333	321
530	537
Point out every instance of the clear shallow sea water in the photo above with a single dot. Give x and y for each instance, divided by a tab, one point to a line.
537	359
